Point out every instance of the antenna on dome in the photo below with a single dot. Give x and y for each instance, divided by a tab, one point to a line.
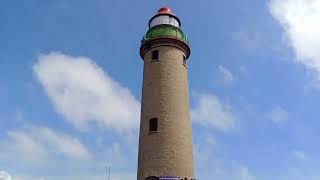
109	172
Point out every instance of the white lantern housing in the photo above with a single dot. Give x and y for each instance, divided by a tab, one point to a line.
164	17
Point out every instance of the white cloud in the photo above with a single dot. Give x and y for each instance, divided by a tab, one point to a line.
300	21
123	175
116	156
5	176
210	164
245	174
209	111
227	75
38	145
83	93
23	147
204	149
76	176
299	155
279	115
60	143
39	153
26	177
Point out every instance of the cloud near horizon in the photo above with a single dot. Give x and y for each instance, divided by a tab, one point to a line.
39	149
5	176
39	145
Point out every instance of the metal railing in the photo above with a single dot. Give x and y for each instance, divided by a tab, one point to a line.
165	31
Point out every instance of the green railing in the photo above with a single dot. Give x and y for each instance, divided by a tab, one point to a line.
165	30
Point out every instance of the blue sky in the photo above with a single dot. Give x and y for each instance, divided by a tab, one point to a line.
71	76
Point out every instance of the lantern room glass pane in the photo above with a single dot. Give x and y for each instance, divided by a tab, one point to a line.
164	19
173	21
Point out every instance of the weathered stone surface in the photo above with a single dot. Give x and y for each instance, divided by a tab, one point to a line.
165	95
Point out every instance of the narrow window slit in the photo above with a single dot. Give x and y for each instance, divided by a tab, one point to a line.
155	55
153	125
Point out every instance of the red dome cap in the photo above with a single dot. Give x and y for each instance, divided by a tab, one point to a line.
165	10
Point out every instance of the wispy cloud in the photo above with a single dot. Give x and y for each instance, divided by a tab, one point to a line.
209	111
115	155
92	176
211	165
299	155
245	174
5	176
279	115
37	145
226	74
85	94
36	152
204	150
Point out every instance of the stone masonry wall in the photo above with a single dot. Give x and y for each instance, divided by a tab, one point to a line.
165	95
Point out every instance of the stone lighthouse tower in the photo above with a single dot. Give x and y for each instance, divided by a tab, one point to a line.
165	146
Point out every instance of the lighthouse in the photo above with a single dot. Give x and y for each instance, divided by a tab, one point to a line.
165	143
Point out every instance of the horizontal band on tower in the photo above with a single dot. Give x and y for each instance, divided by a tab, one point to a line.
165	41
165	30
165	35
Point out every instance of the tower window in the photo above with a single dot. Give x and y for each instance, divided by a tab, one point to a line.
184	60
153	125
155	55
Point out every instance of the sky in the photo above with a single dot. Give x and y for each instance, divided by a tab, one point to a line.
71	78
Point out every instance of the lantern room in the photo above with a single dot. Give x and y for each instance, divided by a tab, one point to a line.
164	28
165	16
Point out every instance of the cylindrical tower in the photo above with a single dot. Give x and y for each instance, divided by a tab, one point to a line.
165	145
